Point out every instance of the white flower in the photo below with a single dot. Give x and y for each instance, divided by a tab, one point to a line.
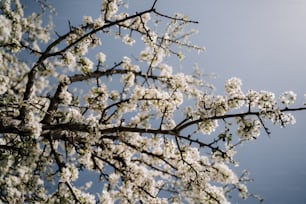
113	179
99	22
74	114
180	56
233	86
127	64
146	54
288	98
85	159
208	126
266	100
285	119
128	79
101	57
233	89
223	174
87	20
65	175
64	79
65	96
153	56
69	60
3	84
217	105
88	198
243	191
92	120
106	197
165	70
252	97
36	129
35	46
248	128
128	40
5	28
217	193
86	65
69	173
145	17
110	7
114	95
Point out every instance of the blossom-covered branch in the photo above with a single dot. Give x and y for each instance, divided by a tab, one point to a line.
76	106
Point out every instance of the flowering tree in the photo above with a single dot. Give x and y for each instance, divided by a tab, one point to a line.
147	131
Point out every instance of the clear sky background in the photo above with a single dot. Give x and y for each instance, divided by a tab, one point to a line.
263	42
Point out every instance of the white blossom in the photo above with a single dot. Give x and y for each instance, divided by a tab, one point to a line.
99	22
208	126
114	95
233	89
146	18
128	79
3	84
65	96
101	57
85	159
5	29
113	179
86	65
266	100
87	20
248	128
127	64
128	40
106	197
110	7
74	115
165	70
288	98
69	173
69	60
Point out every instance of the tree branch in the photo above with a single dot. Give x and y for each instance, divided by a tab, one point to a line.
234	115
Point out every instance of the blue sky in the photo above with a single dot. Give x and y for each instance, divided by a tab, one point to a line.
263	42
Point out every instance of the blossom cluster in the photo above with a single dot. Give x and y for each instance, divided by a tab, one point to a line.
3	84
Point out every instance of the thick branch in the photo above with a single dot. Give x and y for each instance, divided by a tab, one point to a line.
53	104
87	128
10	125
175	131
